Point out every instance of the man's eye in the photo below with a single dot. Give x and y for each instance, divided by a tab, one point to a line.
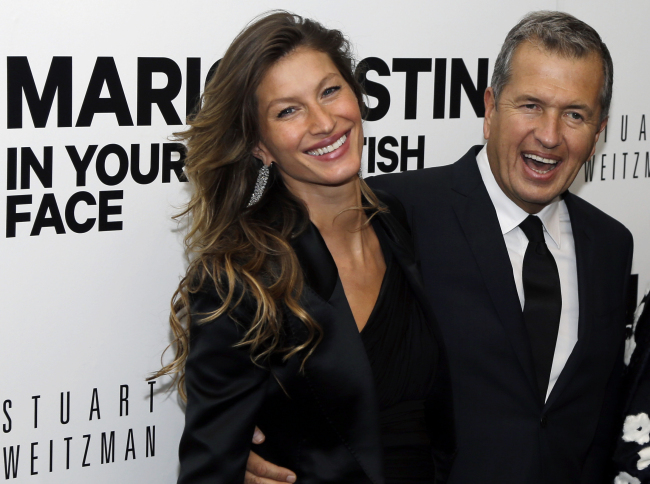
331	90
530	106
286	112
575	116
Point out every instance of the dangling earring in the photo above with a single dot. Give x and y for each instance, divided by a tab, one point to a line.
260	185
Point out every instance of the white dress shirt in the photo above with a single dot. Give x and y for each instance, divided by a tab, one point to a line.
559	239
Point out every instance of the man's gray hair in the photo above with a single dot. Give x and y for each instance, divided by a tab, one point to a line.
558	33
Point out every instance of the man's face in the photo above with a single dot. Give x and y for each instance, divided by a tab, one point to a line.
546	125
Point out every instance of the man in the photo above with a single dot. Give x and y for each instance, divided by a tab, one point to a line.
531	308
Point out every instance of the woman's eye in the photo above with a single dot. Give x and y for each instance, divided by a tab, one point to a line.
285	112
331	90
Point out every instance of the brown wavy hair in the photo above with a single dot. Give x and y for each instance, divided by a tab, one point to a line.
245	251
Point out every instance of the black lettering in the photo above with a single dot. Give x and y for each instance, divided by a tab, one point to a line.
137	175
634	175
51	454
374	89
642	129
193	86
94	405
35	398
439	88
602	166
130	446
84	463
105	210
163	97
387	154
48	205
13	217
151	384
371	152
34	458
12	168
67	452
460	79
20	80
67	405
624	127
124	400
81	164
108	451
104	72
100	164
151	441
177	165
624	164
614	166
211	71
647	164
407	153
11	461
412	67
70	219
589	168
6	427
605	137
43	172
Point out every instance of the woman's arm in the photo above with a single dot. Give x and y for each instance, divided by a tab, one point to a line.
224	392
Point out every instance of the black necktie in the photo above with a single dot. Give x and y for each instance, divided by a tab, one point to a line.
543	300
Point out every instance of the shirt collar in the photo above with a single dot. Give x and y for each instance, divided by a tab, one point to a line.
510	215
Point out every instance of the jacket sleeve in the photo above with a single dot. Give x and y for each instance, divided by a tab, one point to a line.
224	393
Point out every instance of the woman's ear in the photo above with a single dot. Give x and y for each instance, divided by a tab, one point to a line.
260	152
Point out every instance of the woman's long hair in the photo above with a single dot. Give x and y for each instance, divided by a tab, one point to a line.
244	251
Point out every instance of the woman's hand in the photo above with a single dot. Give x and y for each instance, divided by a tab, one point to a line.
259	471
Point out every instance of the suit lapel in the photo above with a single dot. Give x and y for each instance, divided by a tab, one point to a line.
338	373
585	264
480	225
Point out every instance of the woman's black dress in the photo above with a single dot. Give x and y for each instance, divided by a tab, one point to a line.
403	353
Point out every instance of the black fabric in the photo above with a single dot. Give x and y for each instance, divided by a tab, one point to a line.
323	422
505	435
543	296
402	352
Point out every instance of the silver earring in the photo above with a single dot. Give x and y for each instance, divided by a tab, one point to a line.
260	185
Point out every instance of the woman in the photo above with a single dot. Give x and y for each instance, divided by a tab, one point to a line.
306	314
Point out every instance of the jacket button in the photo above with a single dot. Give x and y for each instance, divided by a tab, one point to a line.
543	422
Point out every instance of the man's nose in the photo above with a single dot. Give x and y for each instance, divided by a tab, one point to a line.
548	131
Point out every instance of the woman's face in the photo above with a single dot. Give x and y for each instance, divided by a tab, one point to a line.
310	122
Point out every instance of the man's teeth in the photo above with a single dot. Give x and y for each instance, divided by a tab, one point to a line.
328	149
547	164
540	159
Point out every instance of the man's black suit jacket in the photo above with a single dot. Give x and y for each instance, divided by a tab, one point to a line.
504	434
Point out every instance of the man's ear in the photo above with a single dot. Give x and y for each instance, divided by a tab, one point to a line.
262	153
601	128
490	107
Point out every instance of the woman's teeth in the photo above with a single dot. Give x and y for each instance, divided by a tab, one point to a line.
538	164
328	149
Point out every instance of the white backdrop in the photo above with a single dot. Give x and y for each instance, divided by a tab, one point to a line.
84	309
